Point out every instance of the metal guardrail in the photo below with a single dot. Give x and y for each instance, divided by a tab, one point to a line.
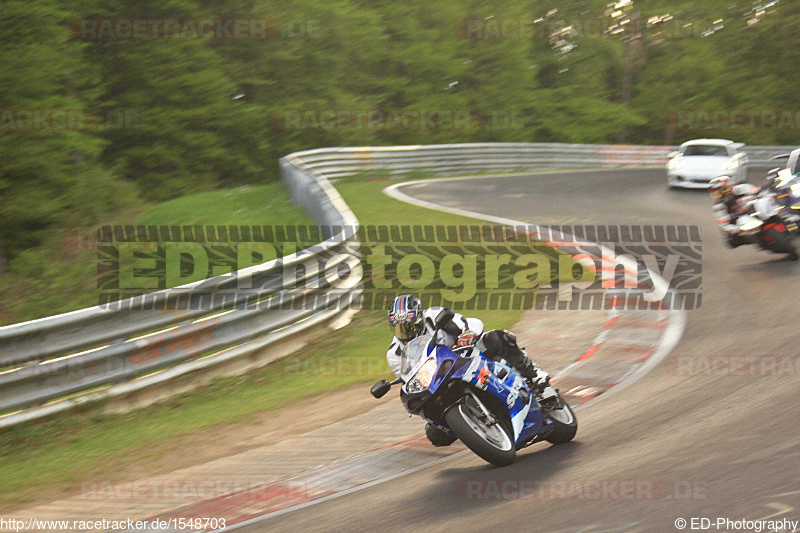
498	157
77	352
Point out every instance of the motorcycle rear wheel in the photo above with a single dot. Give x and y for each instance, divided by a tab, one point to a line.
781	243
564	422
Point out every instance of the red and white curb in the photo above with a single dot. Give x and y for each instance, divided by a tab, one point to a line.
624	330
317	485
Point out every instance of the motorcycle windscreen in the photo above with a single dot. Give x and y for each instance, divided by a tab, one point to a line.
413	353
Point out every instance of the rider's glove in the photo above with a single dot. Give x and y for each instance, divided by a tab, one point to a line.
468	338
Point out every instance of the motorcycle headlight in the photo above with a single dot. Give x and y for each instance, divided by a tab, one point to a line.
675	163
750	224
422	379
733	165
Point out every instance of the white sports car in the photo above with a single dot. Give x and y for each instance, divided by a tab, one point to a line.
699	161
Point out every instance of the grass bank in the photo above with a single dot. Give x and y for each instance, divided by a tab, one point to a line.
61	274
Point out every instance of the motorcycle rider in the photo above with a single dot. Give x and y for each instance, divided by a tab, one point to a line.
408	320
730	201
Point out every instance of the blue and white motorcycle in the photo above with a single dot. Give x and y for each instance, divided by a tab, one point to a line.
484	403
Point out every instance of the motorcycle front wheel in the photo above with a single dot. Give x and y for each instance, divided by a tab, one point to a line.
489	439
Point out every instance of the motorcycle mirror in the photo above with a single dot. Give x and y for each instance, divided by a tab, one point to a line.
444	316
380	389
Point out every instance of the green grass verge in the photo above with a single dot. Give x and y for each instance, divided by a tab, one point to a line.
61	275
52	457
251	205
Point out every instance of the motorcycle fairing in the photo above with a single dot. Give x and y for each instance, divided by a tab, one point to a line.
484	374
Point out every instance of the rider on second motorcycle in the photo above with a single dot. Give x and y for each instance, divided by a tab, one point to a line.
730	201
408	320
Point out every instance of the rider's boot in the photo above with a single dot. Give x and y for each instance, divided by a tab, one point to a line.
437	436
537	378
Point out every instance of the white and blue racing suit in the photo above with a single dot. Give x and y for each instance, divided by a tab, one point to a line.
395	351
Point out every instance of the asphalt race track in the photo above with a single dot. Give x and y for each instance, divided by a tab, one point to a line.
683	442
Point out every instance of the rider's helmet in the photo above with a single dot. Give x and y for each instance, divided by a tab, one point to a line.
720	188
406	317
